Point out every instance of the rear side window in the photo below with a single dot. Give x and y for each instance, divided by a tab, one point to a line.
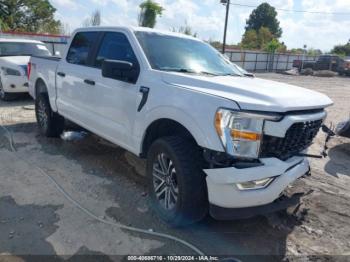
81	47
115	46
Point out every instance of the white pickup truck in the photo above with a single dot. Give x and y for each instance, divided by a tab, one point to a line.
14	57
214	139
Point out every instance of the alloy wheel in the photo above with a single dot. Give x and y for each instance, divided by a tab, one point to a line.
164	181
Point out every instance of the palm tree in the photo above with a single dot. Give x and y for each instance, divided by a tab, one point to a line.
149	12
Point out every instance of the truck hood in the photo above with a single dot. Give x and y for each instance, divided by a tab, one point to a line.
15	60
252	93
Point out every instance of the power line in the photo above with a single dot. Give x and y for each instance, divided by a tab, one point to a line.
295	11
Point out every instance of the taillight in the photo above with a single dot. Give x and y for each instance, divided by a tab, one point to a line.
29	69
347	65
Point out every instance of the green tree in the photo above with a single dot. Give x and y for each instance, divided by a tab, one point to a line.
314	52
29	16
250	40
3	26
149	12
185	29
262	40
273	46
342	50
264	37
264	15
93	20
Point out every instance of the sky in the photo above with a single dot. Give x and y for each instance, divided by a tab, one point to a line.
206	17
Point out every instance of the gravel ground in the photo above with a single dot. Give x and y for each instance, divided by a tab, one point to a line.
35	218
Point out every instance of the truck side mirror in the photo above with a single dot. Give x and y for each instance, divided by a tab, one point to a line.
120	70
249	74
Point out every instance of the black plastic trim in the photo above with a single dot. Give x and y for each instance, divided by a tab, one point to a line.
144	91
282	203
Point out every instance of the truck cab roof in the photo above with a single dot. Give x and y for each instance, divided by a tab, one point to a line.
134	29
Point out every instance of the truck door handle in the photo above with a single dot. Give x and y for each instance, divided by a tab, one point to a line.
61	74
89	82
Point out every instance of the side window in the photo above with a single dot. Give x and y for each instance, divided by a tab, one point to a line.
115	46
80	48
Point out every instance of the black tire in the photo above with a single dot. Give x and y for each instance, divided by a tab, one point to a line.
50	123
5	96
185	165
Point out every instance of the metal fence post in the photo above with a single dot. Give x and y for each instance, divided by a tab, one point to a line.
256	61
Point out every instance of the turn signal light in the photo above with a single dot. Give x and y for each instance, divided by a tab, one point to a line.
237	134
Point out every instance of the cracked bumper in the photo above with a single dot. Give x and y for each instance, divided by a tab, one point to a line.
224	193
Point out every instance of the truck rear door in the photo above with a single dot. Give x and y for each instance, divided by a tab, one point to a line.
73	73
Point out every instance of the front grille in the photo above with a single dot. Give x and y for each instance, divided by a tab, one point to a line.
298	137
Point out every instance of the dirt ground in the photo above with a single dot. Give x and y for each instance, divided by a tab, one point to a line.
36	218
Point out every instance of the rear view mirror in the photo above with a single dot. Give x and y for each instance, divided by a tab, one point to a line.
120	70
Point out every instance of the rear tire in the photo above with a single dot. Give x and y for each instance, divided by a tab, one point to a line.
50	123
176	181
3	95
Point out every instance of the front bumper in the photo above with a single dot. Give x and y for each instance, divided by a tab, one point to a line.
282	203
223	191
15	84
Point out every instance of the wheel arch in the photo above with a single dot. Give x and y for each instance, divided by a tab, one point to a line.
40	87
161	128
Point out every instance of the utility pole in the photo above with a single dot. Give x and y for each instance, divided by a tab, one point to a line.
227	2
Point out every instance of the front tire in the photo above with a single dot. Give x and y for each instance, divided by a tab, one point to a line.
50	123
176	181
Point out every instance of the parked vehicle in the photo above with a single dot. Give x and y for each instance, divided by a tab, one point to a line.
343	129
344	68
14	57
213	138
324	62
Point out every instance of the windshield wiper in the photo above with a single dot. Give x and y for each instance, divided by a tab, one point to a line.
185	70
231	74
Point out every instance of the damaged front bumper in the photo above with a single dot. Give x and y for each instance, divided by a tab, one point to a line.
224	192
281	203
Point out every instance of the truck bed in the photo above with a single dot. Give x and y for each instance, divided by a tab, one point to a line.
43	68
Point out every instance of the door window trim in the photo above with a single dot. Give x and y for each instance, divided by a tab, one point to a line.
91	54
99	44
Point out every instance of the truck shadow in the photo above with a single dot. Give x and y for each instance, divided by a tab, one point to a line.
262	238
20	100
339	160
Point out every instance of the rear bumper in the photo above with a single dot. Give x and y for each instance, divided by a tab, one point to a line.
281	203
15	84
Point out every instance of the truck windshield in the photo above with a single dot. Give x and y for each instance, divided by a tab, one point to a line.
172	53
23	49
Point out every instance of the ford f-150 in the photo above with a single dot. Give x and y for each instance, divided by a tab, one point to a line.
215	140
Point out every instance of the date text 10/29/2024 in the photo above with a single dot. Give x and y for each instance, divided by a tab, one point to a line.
172	258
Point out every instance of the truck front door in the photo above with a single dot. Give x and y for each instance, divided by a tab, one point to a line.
113	102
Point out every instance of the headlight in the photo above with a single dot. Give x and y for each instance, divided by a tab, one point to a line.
10	71
241	132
